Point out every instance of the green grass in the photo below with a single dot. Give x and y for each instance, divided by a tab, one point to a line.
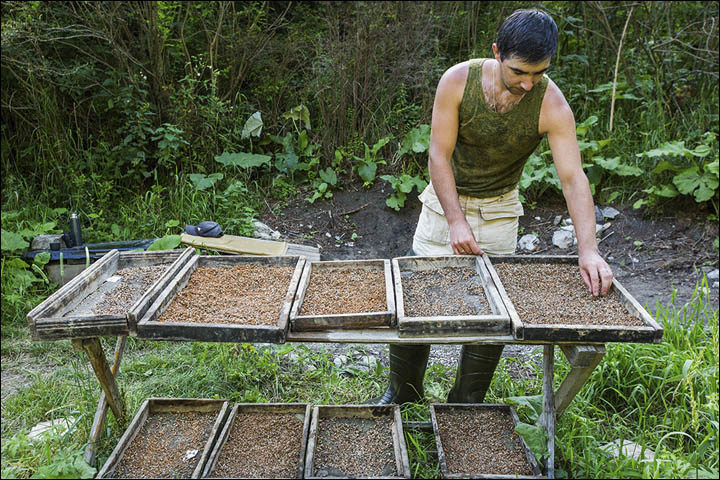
663	397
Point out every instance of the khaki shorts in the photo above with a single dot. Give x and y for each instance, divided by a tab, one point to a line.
493	220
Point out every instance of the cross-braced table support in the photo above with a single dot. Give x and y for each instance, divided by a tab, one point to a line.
582	358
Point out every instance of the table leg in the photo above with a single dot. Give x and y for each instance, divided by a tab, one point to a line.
547	419
102	407
583	359
95	353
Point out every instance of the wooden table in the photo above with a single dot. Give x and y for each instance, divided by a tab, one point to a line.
583	359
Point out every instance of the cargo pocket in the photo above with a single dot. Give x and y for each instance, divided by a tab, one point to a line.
505	206
432	224
498	224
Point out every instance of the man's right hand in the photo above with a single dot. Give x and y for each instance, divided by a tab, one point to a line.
462	239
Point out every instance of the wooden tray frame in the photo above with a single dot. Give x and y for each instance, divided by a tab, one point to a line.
445	473
149	327
652	332
402	462
46	321
302	323
279	408
164	405
497	323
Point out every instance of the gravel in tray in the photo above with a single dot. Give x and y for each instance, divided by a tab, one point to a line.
450	291
262	445
554	293
163	446
345	290
116	297
354	447
244	294
481	441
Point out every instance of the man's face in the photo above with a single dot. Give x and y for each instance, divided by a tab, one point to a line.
518	76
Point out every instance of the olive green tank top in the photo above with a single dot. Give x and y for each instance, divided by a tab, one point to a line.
492	148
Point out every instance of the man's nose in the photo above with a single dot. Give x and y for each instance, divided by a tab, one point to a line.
527	85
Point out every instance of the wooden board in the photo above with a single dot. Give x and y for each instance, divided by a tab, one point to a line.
445	473
651	332
55	318
402	462
148	327
168	405
276	408
497	323
301	323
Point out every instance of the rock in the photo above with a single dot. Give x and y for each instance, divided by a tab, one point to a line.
713	275
562	239
716	285
42	242
263	231
568	221
327	234
538	218
293	357
598	215
528	243
367	361
610	213
60	426
340	360
628	449
568	228
557	220
310	367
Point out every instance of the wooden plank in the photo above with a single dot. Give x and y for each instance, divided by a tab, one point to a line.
149	328
496	323
301	323
95	353
153	406
101	411
278	408
442	457
311	253
651	332
584	360
516	323
360	411
547	419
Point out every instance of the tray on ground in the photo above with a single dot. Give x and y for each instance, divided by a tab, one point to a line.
494	451
70	312
303	320
579	327
214	330
495	320
363	427
175	447
269	447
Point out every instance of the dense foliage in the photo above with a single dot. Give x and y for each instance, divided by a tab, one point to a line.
159	111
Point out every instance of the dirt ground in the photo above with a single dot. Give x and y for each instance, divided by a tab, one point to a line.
676	248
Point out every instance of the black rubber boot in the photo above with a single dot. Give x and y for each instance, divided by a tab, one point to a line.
474	374
407	372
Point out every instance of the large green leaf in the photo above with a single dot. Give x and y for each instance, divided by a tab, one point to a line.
535	437
299	113
11	241
534	402
416	140
702	186
253	126
202	181
328	175
242	159
168	242
367	172
667	149
614	165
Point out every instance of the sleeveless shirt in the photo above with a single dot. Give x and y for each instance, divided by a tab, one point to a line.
492	148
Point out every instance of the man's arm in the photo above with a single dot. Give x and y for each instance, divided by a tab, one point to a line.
557	120
443	135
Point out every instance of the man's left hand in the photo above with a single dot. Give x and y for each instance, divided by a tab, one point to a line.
595	272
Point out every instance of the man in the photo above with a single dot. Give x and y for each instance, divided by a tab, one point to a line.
489	115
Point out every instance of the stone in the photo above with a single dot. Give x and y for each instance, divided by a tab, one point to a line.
713	275
60	426
528	243
628	449
598	215
568	221
260	230
568	228
716	285
557	220
310	367
340	360
367	361
563	239
610	213
538	218
42	242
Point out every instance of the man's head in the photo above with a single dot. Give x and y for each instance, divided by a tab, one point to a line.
527	35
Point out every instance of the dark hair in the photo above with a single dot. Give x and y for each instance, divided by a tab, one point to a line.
530	35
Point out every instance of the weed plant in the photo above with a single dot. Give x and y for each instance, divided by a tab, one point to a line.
663	397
